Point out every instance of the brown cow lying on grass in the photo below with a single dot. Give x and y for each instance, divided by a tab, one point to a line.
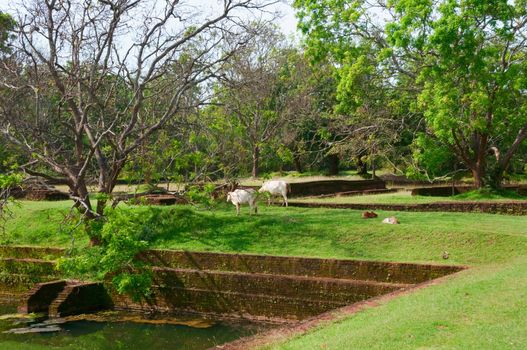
369	215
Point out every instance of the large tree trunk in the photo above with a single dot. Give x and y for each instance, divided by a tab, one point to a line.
362	167
256	162
479	177
473	156
493	179
297	162
496	180
79	190
333	164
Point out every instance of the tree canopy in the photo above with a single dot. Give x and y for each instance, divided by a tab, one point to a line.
464	61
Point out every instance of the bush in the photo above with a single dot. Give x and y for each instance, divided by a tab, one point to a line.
124	234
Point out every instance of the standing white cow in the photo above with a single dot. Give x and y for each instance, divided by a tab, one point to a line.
276	188
241	196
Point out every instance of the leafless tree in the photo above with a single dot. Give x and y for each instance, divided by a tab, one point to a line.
90	81
250	89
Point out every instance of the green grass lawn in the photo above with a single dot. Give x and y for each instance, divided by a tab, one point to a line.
405	197
482	308
469	238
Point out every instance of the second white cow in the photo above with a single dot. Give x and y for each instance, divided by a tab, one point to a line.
275	188
241	196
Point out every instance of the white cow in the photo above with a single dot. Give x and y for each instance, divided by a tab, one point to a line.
241	196
275	188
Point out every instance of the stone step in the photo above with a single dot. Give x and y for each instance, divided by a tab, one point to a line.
10	297
27	266
309	288
252	295
39	298
228	304
364	270
22	282
80	297
43	253
232	285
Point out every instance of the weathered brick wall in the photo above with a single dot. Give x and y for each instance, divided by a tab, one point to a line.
29	267
284	285
447	191
508	208
262	307
329	268
39	194
30	252
271	297
80	298
235	285
40	296
441	191
314	188
18	276
357	193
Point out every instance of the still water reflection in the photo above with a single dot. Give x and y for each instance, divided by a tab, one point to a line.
121	335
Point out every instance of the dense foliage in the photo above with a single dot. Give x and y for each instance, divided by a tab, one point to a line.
124	234
426	89
463	62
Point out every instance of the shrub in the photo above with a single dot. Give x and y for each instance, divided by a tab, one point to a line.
124	234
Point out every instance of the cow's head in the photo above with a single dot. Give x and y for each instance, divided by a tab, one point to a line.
229	196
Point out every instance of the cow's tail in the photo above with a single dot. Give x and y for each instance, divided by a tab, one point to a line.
288	187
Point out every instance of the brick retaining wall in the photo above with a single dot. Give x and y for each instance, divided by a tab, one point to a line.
508	208
314	188
273	288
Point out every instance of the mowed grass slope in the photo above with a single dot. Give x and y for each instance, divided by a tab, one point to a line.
470	239
484	307
481	308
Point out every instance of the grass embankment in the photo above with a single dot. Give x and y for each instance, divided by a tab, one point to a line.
482	308
469	238
405	197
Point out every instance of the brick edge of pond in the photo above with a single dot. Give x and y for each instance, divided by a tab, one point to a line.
303	327
260	287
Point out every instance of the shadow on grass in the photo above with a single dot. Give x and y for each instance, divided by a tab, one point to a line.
423	237
469	238
273	230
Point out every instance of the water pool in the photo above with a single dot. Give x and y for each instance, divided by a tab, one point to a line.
86	334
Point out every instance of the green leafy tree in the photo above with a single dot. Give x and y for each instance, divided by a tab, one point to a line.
221	140
8	156
474	77
7	25
432	159
374	99
308	90
466	61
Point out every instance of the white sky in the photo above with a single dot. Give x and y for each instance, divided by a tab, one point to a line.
287	22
